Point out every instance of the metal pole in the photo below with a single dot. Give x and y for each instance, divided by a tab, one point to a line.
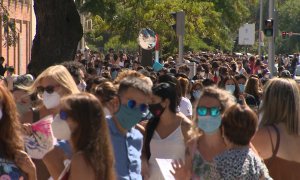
20	55
260	43
271	50
180	53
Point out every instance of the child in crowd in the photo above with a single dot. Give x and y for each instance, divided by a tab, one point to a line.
239	161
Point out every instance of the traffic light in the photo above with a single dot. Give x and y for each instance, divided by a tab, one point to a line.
180	21
269	27
284	34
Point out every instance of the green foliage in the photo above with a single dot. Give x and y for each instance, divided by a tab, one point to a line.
104	8
96	35
289	20
115	42
209	24
10	31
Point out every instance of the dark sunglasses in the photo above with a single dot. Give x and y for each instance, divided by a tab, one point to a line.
213	111
48	89
115	69
132	104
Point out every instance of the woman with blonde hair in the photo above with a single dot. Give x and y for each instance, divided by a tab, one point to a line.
208	141
51	85
278	139
14	162
92	152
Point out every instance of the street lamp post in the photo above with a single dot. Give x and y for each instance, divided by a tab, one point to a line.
271	50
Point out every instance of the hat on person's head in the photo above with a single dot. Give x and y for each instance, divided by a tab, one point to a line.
286	74
23	81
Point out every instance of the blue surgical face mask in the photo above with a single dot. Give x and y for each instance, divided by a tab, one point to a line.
128	117
114	74
230	88
242	87
209	124
197	94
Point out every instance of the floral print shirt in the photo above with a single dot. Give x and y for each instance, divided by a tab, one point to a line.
241	164
9	171
201	168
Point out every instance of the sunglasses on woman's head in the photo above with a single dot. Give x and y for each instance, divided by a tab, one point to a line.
203	111
132	104
48	89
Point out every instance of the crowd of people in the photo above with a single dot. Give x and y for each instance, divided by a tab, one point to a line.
112	118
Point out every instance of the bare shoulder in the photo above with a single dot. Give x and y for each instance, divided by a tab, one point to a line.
190	143
261	136
80	168
186	125
185	121
79	158
263	143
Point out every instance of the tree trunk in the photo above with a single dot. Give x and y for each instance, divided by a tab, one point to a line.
58	31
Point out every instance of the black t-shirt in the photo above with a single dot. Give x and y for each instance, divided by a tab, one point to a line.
2	70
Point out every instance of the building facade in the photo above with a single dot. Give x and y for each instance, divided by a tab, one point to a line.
21	13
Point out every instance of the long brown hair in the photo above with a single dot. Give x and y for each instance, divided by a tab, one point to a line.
252	87
10	128
92	135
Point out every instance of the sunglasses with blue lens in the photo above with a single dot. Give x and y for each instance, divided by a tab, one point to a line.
213	111
132	104
63	115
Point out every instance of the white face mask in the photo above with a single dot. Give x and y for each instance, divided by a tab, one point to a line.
60	128
51	100
82	86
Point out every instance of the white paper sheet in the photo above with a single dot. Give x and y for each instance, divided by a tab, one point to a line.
165	166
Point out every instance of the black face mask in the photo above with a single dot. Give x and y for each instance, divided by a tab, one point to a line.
156	109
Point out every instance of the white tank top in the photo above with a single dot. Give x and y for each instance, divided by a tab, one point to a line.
171	147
